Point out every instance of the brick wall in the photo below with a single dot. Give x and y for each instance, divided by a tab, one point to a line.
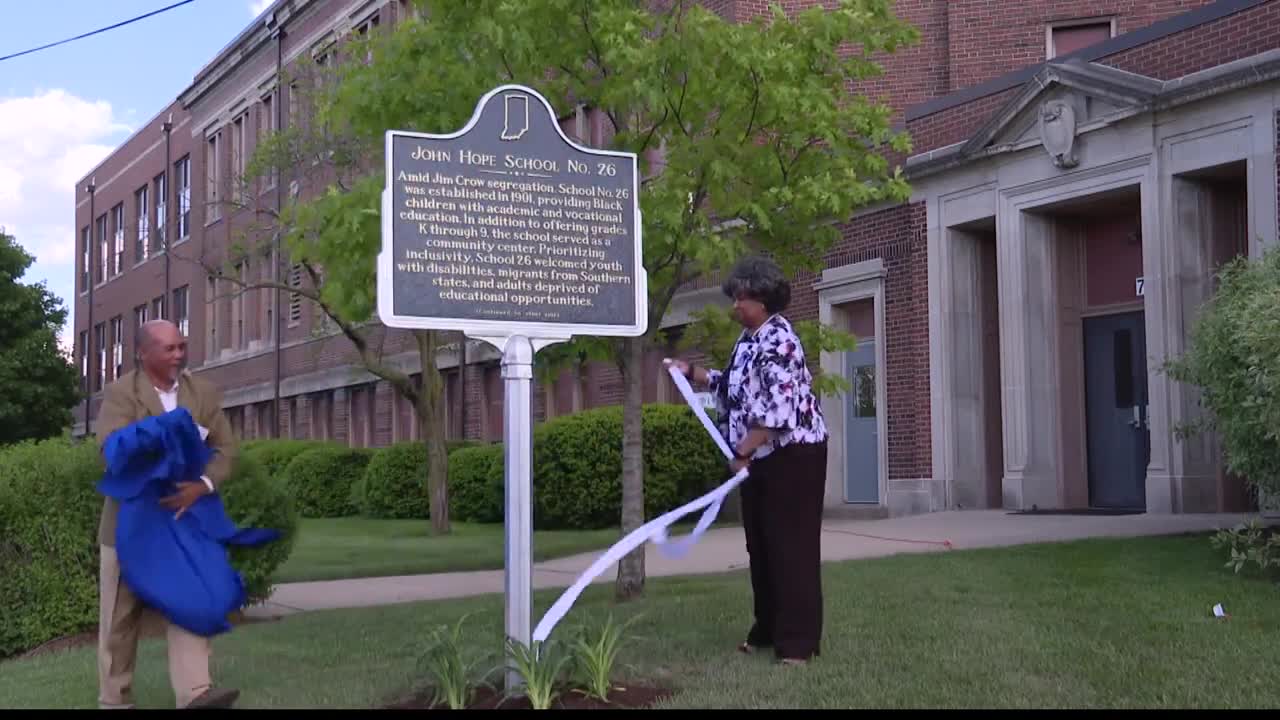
897	236
981	49
1198	48
1230	38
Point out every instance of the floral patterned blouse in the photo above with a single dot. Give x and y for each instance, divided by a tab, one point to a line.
768	384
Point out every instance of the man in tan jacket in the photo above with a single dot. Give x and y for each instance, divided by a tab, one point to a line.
159	385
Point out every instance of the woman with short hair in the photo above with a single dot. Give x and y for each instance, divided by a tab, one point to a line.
773	421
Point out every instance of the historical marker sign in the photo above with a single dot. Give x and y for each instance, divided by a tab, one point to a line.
507	227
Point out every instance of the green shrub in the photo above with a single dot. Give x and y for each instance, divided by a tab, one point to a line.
49	514
1232	358
321	479
577	461
395	483
275	455
255	499
476	484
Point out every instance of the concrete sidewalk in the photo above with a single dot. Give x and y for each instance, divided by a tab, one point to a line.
723	550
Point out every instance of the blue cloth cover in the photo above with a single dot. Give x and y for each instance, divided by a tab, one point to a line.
181	567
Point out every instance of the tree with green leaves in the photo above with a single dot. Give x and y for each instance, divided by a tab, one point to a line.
748	134
40	382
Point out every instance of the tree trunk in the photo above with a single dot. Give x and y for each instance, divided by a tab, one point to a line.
431	418
631	568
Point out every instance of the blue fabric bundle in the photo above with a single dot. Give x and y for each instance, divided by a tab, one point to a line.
179	567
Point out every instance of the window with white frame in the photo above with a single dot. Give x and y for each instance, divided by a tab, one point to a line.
266	126
104	250
213	176
85	245
84	359
181	311
238	150
161	185
117	347
100	344
182	170
142	239
157	307
139	316
117	231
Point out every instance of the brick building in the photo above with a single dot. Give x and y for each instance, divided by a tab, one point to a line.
1079	168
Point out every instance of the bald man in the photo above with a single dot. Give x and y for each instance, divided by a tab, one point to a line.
159	385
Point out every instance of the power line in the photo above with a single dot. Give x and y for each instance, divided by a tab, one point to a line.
95	32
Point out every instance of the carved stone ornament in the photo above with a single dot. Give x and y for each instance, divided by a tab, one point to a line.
1058	132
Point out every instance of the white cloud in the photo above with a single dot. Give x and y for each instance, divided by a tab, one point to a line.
257	7
48	141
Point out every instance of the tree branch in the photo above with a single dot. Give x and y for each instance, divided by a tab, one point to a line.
755	105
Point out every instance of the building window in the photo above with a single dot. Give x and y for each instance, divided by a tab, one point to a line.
238	157
117	347
161	184
1065	38
104	250
157	307
237	309
117	230
363	30
139	316
84	358
211	318
213	176
295	299
180	310
142	243
182	169
100	344
85	245
266	126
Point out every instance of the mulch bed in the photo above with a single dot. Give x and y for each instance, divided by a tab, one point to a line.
631	697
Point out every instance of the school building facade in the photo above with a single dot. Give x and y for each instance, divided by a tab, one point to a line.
1079	170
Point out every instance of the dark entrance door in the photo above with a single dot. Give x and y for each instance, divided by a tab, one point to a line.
1115	350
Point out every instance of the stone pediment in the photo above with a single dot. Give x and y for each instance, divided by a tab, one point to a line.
1060	100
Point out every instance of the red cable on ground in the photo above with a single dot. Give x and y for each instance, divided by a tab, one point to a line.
945	543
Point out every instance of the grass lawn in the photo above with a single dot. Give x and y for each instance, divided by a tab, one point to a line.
1100	623
333	549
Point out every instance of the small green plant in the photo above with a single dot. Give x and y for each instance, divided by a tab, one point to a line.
451	673
1249	543
540	667
595	652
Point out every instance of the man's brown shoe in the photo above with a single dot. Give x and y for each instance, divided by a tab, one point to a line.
215	698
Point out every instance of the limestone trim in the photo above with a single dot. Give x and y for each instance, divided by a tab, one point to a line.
839	286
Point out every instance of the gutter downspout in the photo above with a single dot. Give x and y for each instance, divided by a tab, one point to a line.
277	331
165	311
90	351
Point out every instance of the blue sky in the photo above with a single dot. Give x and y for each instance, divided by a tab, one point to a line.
62	110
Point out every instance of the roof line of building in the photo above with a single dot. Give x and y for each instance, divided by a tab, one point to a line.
85	178
239	38
1165	94
1120	43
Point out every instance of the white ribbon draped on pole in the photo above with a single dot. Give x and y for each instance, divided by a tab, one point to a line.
656	529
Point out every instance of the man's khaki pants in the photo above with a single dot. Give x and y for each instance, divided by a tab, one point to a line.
120	617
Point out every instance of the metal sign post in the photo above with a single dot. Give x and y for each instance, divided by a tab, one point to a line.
514	234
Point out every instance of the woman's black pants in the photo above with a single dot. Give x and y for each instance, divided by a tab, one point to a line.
782	519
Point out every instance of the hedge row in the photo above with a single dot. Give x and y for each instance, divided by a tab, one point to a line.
577	466
577	469
49	513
